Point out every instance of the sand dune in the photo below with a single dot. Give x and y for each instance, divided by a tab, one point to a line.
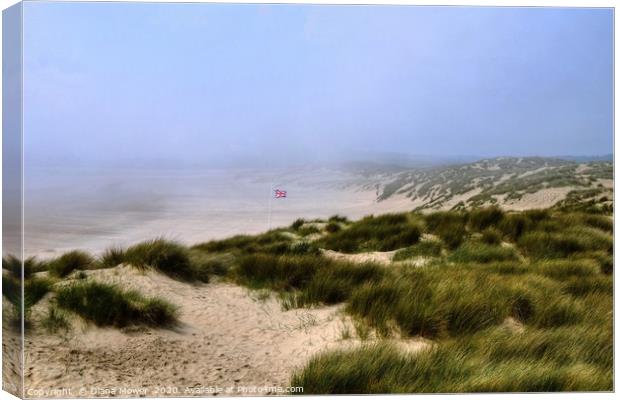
542	199
227	338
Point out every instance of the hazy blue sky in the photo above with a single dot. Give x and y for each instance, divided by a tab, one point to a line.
203	83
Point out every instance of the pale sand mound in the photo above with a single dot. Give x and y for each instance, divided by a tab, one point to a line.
11	353
543	198
227	338
380	257
513	325
463	197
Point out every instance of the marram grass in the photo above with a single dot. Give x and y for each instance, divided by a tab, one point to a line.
108	305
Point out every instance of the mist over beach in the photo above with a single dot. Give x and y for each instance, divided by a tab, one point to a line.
98	208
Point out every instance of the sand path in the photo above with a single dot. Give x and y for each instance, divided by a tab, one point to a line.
227	338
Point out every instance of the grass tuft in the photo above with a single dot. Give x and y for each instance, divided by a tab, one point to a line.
108	305
482	253
167	257
205	265
55	320
31	265
541	245
273	242
483	218
338	218
332	227
310	279
69	262
563	269
491	236
298	223
427	248
112	257
383	233
34	289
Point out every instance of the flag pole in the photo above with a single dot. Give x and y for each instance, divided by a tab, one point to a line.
269	207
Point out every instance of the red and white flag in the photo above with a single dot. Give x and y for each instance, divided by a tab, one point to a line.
279	194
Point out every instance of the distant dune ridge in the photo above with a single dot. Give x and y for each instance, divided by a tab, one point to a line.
510	182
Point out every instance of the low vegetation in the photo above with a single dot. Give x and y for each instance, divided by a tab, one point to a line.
55	321
112	257
427	248
547	271
69	262
493	360
34	288
380	233
167	257
273	242
482	253
107	305
15	268
307	280
449	226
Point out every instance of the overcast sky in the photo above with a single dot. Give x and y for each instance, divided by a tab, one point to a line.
206	82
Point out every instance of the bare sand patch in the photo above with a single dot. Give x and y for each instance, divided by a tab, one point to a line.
414	345
463	197
380	257
582	168
543	198
360	203
419	261
226	338
533	172
513	325
11	352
